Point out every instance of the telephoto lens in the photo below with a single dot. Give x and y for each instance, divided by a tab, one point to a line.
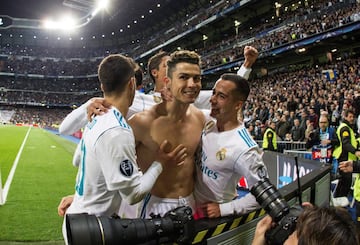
270	199
177	225
275	205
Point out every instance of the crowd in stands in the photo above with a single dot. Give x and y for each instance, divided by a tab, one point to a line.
39	116
283	97
304	94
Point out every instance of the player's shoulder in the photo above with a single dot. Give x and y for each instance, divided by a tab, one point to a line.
143	118
199	114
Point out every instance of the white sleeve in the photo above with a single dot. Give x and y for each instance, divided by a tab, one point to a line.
116	153
244	72
77	155
203	100
251	165
141	102
74	121
240	206
145	185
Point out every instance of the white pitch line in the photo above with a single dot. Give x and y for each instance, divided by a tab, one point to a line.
13	168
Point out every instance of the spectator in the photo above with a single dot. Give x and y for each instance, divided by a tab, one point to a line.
297	132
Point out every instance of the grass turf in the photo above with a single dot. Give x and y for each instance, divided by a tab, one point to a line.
44	174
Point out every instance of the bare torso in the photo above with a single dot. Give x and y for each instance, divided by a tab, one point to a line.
154	126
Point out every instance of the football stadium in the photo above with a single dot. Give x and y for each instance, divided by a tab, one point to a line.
271	88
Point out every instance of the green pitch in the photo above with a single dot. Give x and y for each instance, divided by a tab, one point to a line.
43	175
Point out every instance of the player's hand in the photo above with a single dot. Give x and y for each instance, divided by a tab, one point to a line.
211	210
98	106
168	155
166	94
250	54
357	153
64	204
346	166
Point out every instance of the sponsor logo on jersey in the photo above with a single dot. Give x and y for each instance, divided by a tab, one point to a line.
221	154
209	172
126	168
345	134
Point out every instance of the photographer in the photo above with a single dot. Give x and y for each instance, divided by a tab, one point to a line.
315	226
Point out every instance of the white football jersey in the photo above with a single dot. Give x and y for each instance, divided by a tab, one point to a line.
107	165
226	157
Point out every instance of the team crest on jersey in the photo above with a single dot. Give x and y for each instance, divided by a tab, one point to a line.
126	168
345	134
221	154
157	99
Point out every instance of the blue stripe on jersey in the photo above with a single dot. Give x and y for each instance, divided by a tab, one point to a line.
244	134
79	187
121	120
145	203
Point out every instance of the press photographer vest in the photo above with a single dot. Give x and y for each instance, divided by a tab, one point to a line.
357	188
338	150
266	142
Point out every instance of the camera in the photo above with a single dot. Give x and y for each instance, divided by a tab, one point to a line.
176	225
275	205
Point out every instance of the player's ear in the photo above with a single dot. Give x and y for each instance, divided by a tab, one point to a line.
167	81
239	105
154	72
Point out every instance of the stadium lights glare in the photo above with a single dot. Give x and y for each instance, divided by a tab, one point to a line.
100	5
66	23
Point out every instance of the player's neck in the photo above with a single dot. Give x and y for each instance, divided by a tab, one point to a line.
175	110
226	125
119	103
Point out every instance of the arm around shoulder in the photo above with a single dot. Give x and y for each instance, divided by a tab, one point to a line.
239	206
74	121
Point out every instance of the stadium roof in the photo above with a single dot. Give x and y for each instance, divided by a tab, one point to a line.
132	16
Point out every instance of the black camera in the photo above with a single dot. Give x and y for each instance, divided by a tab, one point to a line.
177	226
275	205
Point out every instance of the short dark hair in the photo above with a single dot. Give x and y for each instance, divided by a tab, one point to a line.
242	89
139	75
349	111
114	71
326	225
186	56
154	62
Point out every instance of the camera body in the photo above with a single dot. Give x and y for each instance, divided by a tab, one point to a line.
177	225
275	205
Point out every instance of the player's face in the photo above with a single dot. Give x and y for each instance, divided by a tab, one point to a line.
223	104
185	83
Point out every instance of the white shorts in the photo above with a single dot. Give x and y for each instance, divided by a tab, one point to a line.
160	206
127	211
